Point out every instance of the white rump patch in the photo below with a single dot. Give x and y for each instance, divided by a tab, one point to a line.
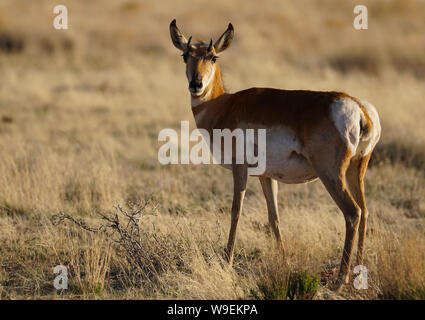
376	130
346	115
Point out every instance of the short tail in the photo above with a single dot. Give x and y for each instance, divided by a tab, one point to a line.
370	127
366	125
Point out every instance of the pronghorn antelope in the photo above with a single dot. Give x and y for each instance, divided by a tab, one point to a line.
310	135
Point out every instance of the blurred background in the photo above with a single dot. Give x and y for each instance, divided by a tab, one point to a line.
81	109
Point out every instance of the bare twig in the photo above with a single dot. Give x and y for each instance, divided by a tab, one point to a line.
147	251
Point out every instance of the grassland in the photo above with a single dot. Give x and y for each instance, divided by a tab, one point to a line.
81	109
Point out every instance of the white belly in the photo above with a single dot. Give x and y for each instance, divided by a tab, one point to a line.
284	159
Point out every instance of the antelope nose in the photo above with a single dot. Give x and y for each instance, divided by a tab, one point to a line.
195	84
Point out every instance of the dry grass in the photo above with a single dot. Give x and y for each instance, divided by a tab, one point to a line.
80	111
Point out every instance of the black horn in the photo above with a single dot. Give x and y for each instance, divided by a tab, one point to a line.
188	43
210	46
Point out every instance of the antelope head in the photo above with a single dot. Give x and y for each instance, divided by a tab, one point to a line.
200	58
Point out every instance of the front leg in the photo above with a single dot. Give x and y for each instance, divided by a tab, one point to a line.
240	176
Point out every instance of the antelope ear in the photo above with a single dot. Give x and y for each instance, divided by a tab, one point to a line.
177	37
225	40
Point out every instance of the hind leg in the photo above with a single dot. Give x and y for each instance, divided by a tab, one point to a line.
355	179
269	186
333	176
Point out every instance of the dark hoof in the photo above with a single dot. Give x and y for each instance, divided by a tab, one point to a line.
338	286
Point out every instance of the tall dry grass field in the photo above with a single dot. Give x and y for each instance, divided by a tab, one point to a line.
80	113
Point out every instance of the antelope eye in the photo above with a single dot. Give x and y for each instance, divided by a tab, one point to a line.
214	58
185	56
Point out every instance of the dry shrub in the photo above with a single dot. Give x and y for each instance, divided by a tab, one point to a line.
149	255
